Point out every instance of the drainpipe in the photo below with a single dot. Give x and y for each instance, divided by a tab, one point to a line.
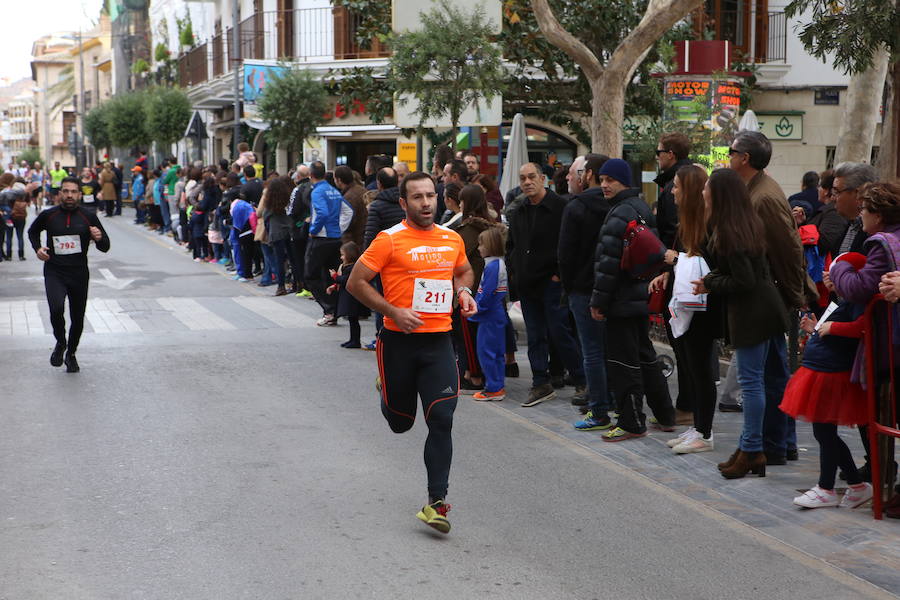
238	67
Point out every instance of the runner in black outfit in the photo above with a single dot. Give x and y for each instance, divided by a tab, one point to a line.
70	230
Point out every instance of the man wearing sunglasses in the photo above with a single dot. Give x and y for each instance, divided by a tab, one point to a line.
671	154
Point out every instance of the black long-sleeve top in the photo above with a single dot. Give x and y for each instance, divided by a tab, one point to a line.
67	231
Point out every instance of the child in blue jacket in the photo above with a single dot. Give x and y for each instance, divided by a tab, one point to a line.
491	315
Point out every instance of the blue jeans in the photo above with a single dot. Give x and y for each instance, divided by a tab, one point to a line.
544	315
592	335
166	215
268	264
762	374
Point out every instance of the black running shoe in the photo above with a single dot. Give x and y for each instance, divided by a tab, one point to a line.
56	359
71	364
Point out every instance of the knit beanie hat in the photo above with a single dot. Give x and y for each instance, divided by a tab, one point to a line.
618	169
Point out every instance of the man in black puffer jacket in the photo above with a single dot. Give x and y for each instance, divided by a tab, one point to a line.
384	211
621	300
582	220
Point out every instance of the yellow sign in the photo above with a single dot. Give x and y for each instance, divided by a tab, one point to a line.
407	153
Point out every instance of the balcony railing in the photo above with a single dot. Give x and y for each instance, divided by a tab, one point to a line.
308	34
776	50
193	67
769	42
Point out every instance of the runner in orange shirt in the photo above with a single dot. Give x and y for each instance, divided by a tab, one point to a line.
423	267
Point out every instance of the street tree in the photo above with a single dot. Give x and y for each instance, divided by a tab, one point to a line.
127	120
96	126
861	38
294	104
168	114
609	76
448	65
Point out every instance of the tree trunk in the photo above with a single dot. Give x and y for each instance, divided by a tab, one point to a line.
864	96
608	82
607	115
888	163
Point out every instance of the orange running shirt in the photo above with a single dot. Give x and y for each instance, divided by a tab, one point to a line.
417	271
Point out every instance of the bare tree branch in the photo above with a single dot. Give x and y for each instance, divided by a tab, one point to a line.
661	15
566	42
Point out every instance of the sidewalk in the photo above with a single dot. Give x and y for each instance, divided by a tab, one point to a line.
850	540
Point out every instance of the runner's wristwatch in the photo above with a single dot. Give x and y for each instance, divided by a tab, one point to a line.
463	289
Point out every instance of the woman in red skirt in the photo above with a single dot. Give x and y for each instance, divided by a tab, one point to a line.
822	393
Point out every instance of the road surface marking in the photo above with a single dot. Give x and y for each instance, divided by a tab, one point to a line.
20	318
274	311
195	316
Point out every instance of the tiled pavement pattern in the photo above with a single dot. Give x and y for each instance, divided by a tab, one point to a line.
159	315
848	539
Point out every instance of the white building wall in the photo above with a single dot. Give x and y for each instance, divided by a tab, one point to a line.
201	21
805	69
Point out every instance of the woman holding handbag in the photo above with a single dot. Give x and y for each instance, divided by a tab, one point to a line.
756	312
694	328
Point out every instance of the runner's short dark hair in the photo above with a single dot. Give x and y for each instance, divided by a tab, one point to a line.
70	179
250	172
414	176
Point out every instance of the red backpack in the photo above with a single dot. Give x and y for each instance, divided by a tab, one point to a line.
643	254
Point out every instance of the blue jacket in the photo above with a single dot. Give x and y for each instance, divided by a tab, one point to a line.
138	188
491	292
331	214
159	191
240	216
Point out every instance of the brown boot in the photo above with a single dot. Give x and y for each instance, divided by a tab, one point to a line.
746	462
730	461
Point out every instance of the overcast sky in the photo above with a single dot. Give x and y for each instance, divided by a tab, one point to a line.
33	18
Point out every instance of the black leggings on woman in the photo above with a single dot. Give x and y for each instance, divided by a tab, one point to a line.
833	453
699	366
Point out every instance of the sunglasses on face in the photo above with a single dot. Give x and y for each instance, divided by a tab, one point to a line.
658	152
733	151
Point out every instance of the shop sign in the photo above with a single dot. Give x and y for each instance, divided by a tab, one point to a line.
828	96
781	126
406	152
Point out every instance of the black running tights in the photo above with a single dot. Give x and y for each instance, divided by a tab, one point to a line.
833	453
62	282
423	365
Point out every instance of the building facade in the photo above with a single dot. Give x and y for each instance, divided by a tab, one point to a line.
52	72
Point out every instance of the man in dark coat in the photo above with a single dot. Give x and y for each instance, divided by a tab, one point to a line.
809	194
355	195
298	209
621	300
533	270
671	154
582	220
385	210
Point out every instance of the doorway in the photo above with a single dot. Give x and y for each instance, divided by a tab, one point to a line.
354	154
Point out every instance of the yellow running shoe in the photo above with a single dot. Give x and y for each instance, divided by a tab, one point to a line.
435	515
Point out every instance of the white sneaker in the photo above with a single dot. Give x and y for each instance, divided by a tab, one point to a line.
686	435
817	498
857	497
694	445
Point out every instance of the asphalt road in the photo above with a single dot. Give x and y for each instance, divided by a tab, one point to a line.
218	444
